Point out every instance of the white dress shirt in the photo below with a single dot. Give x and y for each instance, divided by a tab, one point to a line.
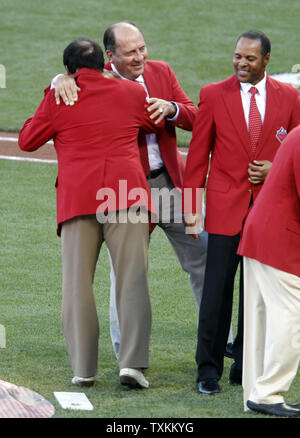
260	98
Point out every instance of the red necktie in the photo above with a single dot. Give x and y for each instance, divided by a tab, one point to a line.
255	125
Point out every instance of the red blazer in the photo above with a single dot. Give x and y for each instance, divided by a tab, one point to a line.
271	233
220	130
162	83
96	143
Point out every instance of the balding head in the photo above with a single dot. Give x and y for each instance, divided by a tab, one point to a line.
126	49
117	29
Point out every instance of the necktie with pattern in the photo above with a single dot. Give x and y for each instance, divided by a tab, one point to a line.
255	124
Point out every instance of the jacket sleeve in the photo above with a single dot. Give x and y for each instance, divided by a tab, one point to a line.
187	109
38	129
199	152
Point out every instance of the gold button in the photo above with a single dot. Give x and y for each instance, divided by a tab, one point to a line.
250	190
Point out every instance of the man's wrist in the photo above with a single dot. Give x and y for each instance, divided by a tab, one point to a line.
175	115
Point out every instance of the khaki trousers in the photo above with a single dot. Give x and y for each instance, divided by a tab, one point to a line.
81	240
271	332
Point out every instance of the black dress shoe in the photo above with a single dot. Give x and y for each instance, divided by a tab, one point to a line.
228	350
279	409
209	386
297	405
235	375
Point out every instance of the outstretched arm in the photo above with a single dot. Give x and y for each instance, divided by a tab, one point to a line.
38	129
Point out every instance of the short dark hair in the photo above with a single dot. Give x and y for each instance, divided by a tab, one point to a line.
83	52
109	39
258	35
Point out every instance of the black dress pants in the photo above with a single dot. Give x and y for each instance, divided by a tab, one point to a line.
216	307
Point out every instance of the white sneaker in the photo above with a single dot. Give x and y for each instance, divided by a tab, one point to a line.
83	381
133	377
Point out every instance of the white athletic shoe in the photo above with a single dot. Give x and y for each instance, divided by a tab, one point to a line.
83	381
133	377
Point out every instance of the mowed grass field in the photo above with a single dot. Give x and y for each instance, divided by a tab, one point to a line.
197	38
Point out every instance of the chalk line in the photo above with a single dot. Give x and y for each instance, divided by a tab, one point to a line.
38	160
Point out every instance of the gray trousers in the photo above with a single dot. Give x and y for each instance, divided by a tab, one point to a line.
191	253
81	240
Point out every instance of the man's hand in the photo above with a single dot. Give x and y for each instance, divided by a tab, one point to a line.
258	170
160	109
66	88
193	224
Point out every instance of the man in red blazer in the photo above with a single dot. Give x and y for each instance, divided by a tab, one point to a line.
221	146
163	165
270	244
99	174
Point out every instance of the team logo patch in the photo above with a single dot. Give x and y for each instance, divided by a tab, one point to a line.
281	134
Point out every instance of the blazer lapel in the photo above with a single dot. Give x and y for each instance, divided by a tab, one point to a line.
233	103
153	85
272	108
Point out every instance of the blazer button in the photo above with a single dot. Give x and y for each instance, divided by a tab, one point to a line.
250	190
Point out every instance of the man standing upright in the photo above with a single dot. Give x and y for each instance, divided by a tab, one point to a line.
240	123
95	156
161	160
270	244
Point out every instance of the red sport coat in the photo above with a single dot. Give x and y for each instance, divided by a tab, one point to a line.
96	143
220	130
271	232
162	83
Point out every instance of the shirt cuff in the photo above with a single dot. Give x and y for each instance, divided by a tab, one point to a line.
53	82
174	118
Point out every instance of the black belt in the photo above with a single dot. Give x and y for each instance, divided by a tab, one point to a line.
156	172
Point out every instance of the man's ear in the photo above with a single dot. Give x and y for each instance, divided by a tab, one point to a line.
266	59
70	74
109	54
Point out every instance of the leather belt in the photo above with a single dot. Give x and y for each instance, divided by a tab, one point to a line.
154	173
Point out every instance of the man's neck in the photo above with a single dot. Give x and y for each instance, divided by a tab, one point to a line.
114	69
245	86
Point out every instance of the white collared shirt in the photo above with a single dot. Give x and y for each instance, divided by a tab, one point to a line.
260	97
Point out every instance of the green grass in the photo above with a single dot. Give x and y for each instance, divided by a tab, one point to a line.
197	38
35	355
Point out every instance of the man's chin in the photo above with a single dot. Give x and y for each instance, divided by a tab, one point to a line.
137	71
243	77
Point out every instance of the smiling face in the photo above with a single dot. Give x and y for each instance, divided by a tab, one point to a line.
131	52
249	62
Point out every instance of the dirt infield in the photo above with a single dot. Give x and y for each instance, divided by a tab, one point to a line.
9	148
